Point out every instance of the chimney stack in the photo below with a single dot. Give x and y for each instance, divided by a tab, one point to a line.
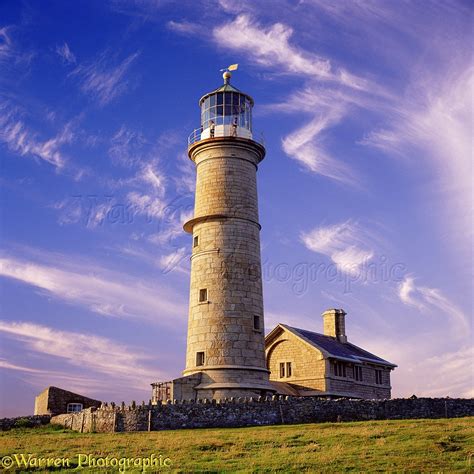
335	324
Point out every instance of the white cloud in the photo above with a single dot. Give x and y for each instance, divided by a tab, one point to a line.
23	141
149	206
433	125
104	81
88	351
152	176
306	145
174	261
100	290
271	47
430	300
172	225
66	54
127	146
346	244
5	45
185	27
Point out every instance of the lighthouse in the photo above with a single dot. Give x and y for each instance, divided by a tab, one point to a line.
225	354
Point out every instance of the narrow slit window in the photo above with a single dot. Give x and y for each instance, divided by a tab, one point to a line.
256	323
196	241
203	295
200	359
288	369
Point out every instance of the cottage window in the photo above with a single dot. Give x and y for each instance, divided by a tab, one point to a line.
288	369
358	372
203	295
74	407
196	241
282	369
339	369
378	377
200	358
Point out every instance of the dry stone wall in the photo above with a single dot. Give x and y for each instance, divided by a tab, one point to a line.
255	412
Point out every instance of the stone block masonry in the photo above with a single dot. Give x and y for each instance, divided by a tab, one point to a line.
30	421
230	413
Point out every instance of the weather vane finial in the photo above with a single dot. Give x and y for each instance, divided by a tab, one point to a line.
227	75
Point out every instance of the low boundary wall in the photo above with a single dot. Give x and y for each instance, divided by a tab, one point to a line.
255	412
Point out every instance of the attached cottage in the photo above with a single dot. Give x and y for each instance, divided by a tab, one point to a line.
306	363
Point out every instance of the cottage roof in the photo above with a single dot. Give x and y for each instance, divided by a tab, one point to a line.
333	348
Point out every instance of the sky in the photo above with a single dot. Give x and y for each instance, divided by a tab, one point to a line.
365	194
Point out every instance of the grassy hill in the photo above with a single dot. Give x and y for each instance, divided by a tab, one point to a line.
444	445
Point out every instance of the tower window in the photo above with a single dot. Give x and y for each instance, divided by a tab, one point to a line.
200	358
282	369
256	323
203	295
358	372
196	241
378	377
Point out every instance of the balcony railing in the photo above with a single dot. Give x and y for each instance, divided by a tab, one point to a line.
198	135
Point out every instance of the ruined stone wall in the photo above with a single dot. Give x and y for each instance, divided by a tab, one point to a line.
255	412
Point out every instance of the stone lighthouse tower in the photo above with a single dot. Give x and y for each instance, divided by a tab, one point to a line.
225	345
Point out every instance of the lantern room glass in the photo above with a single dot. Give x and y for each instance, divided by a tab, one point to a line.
224	107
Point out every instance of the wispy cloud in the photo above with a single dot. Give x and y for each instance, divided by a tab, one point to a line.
127	146
185	27
5	45
430	300
347	244
102	79
174	261
100	290
434	124
271	47
306	145
87	351
20	139
65	53
143	9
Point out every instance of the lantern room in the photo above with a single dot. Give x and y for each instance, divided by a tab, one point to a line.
225	112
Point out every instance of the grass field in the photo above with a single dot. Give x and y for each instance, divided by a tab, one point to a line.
444	445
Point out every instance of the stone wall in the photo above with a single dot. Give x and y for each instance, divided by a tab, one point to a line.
255	412
31	421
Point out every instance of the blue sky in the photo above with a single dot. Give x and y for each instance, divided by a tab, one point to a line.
365	193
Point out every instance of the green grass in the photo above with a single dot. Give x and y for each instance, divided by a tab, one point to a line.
444	445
